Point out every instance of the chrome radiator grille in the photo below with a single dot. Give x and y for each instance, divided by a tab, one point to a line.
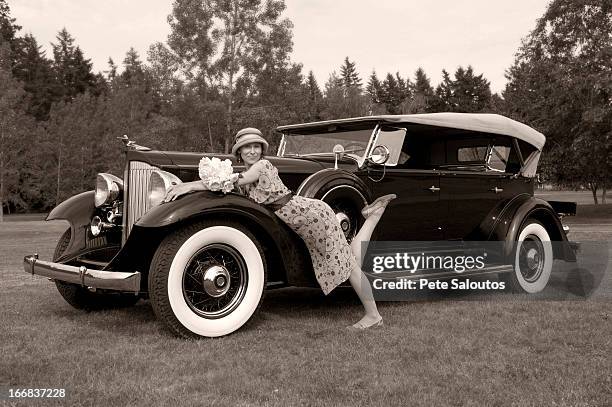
136	205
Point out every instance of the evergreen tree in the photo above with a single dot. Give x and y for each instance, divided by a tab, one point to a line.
394	93
73	72
14	127
34	69
443	101
111	73
422	94
315	98
374	89
348	74
8	29
471	93
133	70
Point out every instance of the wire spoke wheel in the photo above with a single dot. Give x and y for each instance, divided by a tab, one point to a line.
207	279
215	281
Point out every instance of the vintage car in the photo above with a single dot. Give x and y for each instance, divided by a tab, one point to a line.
206	259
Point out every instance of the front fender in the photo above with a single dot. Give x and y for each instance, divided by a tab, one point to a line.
287	255
78	211
509	221
196	204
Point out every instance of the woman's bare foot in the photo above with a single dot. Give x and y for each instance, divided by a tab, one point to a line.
368	321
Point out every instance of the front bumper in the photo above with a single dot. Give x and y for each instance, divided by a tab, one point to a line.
110	280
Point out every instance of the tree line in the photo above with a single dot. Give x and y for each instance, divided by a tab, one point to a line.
227	64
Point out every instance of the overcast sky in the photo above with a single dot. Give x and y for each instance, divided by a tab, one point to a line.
385	35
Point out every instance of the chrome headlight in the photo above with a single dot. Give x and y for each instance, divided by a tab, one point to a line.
159	184
108	188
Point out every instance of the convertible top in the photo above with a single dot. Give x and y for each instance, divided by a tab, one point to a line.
481	122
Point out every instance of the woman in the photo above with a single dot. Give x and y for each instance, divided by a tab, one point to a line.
333	259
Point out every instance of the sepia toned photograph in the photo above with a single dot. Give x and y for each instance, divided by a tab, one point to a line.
305	203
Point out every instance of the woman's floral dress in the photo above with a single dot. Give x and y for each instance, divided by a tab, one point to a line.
314	221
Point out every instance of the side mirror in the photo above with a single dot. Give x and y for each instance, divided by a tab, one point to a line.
379	155
338	151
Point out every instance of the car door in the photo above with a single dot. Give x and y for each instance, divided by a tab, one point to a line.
476	183
469	198
416	213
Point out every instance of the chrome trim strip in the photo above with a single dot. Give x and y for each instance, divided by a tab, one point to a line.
83	276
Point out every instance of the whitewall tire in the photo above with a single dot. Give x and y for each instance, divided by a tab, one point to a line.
207	280
533	259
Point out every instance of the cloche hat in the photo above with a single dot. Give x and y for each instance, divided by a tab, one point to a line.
247	136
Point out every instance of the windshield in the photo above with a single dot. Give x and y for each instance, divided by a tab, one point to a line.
354	143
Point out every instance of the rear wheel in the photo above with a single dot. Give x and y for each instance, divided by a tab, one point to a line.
80	297
533	259
207	279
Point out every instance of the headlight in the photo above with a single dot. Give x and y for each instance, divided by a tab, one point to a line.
108	188
159	184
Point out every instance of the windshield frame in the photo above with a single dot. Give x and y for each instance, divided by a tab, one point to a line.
359	159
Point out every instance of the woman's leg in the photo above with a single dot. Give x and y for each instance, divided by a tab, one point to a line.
362	287
358	279
364	234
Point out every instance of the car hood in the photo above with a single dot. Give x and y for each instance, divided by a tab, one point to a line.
190	161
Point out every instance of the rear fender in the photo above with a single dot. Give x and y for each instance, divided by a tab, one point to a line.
509	221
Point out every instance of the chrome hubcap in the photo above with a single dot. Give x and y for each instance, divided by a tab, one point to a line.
531	258
345	222
216	281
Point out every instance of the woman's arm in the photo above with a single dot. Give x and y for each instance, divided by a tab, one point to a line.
248	177
182	189
251	175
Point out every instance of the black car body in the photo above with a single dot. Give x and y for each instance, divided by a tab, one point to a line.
458	177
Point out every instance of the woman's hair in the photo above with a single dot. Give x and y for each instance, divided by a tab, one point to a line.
239	158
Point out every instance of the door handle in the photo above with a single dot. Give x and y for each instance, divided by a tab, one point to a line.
496	190
433	188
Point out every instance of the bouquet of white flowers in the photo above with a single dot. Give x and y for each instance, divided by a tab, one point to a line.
217	174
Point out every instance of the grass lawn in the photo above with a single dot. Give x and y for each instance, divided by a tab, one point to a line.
439	351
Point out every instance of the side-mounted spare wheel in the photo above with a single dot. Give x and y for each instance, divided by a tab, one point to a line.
207	279
80	297
533	259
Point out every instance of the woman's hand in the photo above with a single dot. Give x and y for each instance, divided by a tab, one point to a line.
234	177
176	191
